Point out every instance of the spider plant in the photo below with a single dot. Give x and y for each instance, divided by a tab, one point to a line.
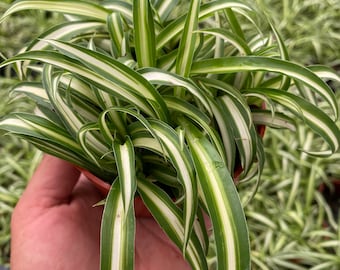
310	28
162	99
291	224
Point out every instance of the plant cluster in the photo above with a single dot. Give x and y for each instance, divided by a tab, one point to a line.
310	28
290	222
163	99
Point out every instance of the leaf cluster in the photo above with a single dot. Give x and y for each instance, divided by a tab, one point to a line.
163	102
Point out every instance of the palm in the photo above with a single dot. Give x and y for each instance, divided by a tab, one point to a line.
62	236
154	250
55	226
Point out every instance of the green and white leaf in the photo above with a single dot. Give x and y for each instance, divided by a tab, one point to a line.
258	63
169	217
274	120
164	8
125	161
170	146
117	232
38	127
87	140
157	76
325	72
144	33
233	39
186	47
116	32
92	76
174	28
315	118
79	8
243	129
222	202
64	31
118	73
229	149
124	8
33	90
66	113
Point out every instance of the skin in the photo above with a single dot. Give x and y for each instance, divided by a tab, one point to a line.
55	226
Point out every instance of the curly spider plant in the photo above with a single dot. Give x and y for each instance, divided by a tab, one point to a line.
162	100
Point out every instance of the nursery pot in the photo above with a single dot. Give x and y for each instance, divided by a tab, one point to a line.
331	193
140	209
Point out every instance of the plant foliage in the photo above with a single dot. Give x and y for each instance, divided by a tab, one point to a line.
133	90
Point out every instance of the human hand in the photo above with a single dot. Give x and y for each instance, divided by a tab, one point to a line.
55	226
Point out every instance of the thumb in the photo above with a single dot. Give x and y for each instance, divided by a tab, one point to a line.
52	183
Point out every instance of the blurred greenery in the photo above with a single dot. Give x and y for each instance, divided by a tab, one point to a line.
17	31
17	163
291	225
15	155
310	28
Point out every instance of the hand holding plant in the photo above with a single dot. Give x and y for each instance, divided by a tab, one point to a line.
163	99
55	226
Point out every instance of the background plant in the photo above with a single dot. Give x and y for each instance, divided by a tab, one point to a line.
287	217
291	224
69	51
310	29
17	162
18	158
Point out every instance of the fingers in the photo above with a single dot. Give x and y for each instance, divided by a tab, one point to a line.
52	182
